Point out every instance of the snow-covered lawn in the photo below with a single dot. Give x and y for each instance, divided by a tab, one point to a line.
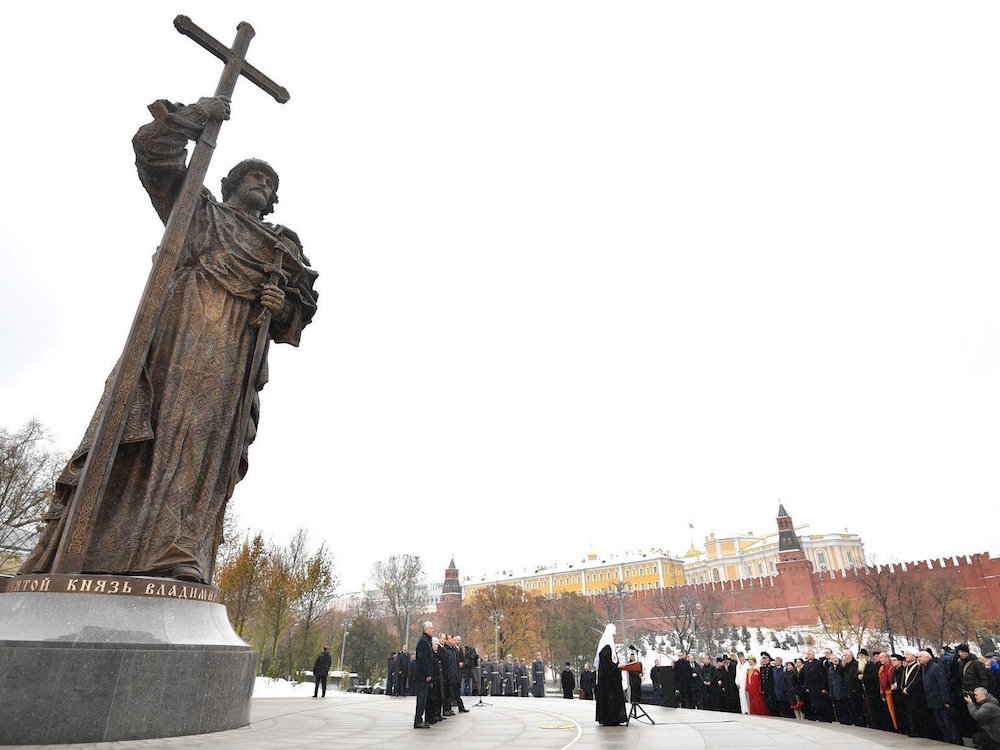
266	687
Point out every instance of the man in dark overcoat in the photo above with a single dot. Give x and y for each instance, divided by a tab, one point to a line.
568	681
423	671
321	668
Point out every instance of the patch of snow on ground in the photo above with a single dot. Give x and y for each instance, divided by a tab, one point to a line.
266	687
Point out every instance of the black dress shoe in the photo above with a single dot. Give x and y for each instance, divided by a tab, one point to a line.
464	711
422	726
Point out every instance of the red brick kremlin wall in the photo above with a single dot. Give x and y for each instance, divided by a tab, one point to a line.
786	599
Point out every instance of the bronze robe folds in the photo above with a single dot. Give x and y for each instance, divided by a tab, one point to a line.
181	454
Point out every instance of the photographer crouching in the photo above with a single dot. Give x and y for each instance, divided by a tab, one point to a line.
985	709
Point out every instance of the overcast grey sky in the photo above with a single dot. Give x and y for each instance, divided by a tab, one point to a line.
646	263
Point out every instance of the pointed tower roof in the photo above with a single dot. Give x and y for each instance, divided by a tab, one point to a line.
789	546
452	589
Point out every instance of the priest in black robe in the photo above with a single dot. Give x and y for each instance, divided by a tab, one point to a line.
568	682
610	696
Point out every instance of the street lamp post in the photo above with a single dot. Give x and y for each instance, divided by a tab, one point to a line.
345	625
496	615
620	590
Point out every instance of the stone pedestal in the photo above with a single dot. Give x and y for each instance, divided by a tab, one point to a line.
92	658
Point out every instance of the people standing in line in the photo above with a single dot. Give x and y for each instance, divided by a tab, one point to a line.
793	688
853	696
496	681
686	679
742	667
729	663
898	699
921	721
838	693
868	679
455	664
814	682
402	671
695	682
321	669
587	680
938	697
707	699
524	678
886	686
767	673
568	681
538	676
390	674
509	678
423	672
444	657
436	693
780	697
755	692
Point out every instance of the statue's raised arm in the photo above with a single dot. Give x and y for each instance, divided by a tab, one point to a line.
161	146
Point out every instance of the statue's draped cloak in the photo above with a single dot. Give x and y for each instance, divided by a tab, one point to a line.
174	470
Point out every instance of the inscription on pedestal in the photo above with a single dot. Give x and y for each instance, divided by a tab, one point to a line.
165	588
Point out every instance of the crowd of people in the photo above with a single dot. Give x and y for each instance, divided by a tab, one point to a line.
916	693
944	697
442	671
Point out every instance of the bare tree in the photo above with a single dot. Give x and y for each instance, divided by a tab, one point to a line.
28	470
845	620
693	619
400	582
882	586
949	612
608	608
910	605
367	605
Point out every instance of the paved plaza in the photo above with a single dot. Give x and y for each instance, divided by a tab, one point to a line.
381	722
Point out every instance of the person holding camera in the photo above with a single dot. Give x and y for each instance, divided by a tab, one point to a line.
985	710
968	673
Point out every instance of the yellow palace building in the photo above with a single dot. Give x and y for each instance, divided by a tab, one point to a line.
638	571
722	559
756	555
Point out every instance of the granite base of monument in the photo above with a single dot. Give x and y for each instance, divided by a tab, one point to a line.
92	658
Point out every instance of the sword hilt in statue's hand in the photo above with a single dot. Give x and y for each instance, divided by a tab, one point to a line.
272	297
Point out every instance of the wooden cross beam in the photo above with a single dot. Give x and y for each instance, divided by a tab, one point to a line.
83	509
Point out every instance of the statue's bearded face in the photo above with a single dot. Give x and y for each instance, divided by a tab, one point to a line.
254	191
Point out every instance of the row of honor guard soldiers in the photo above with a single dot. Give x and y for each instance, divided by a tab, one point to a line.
511	677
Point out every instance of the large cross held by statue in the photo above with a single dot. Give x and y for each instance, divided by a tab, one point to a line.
86	503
